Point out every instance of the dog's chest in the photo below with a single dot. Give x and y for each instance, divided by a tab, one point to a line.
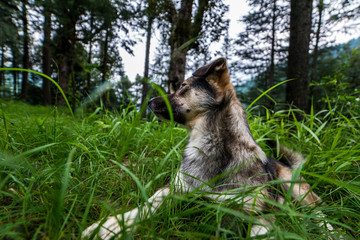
210	157
203	159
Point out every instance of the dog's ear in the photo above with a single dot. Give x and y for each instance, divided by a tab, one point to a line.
217	66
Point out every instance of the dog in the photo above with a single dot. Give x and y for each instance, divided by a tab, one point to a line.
221	156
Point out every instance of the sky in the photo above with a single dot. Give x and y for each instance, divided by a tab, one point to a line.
134	65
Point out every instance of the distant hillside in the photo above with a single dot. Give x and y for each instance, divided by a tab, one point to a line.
329	60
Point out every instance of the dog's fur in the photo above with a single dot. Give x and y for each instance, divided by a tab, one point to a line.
221	154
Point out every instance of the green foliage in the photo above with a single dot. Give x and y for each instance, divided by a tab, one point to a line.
43	75
337	81
265	25
60	174
341	89
249	91
8	29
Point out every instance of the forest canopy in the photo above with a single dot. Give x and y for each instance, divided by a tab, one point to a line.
77	43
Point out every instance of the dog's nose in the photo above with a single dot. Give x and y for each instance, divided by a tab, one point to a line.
150	101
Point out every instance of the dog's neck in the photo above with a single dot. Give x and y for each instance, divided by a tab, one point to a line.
219	141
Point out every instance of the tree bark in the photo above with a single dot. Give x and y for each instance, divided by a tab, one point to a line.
46	55
183	30
273	35
2	65
88	80
181	34
25	75
298	60
318	30
14	73
145	85
15	57
316	48
66	61
64	74
105	56
15	82
104	65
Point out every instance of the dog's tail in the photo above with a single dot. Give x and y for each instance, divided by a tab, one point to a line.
287	156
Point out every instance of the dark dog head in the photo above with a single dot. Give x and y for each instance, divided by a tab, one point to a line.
197	95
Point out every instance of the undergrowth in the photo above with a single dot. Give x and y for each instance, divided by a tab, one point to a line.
59	174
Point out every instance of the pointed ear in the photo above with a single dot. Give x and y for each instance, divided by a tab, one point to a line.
217	66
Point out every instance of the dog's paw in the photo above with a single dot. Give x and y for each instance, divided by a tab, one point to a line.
257	230
89	231
105	231
112	226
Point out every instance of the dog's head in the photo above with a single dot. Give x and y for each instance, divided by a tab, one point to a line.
198	94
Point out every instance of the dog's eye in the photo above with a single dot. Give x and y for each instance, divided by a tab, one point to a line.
182	85
183	89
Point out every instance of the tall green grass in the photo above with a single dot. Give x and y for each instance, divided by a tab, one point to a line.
59	174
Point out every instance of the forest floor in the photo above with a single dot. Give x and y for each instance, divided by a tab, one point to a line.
60	173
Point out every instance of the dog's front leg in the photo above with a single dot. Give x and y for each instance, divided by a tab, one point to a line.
111	227
260	225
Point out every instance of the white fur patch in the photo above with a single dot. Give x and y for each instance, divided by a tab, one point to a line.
112	227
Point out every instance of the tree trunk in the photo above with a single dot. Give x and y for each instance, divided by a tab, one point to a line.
14	73
15	57
2	65
316	48
181	34
105	57
15	82
272	57
25	75
46	55
104	66
145	85
88	80
64	75
298	60
183	30
66	61
73	87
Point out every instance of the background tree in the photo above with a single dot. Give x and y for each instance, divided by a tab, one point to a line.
9	36
15	59
124	18
82	39
46	52
107	37
298	60
70	15
263	43
208	20
151	12
78	23
318	28
337	76
344	11
26	63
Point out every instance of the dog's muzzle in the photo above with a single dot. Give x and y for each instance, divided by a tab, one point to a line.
157	105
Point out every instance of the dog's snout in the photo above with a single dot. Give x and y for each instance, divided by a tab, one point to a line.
151	104
150	101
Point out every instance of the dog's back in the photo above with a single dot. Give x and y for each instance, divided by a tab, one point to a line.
286	156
